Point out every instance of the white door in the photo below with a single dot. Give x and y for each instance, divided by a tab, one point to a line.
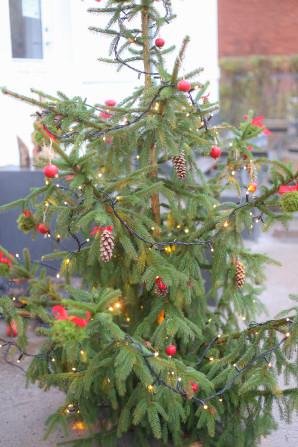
34	50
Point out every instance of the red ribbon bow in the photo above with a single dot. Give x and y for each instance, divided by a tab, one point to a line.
257	122
283	188
194	386
97	229
206	96
5	260
63	315
160	284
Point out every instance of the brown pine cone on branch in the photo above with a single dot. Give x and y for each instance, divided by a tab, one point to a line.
180	165
106	245
161	289
240	274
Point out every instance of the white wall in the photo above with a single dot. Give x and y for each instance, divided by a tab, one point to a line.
71	61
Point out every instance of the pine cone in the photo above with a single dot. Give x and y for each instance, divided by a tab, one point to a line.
180	165
240	274
106	245
161	292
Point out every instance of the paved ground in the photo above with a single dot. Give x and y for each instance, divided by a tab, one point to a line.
23	412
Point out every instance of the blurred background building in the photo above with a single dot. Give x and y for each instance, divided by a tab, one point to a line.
258	58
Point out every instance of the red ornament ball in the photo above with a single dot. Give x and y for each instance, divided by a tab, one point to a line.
110	102
43	228
110	140
249	148
104	116
252	187
184	86
171	350
215	152
11	329
159	42
50	171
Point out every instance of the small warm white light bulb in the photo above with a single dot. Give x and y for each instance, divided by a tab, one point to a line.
82	352
220	399
288	334
173	373
17	255
67	261
53	360
65	203
226	224
156	354
13	298
243	318
269	364
117	305
186	230
178	226
74	369
110	308
179	379
233	172
214	206
99	175
211	358
58	276
205	407
127	319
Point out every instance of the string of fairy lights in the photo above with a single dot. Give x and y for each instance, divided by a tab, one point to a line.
157	378
111	202
150	108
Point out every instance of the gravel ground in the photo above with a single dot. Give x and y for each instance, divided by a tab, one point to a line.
24	412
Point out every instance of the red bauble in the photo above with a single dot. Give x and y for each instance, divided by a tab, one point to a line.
110	102
159	42
104	116
184	86
110	140
249	148
252	187
215	152
50	171
171	350
43	228
11	329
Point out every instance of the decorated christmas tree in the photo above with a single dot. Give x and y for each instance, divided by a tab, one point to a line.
151	343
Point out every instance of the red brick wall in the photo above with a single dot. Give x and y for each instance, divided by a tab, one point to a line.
264	27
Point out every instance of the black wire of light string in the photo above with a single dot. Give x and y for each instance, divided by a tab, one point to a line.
203	401
200	401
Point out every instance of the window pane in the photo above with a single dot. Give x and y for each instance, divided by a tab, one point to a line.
25	25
